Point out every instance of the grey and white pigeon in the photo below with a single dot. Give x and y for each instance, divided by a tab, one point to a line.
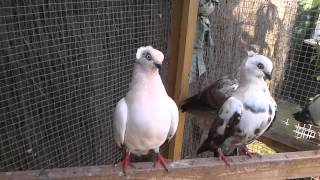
146	117
248	113
310	114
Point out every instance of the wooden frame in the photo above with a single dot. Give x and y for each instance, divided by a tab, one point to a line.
277	166
183	31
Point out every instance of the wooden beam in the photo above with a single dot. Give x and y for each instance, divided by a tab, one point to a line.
173	54
185	37
173	46
277	166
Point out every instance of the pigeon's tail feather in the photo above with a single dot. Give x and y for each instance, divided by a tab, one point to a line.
193	103
205	146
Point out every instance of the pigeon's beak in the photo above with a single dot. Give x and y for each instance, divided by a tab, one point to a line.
267	76
158	66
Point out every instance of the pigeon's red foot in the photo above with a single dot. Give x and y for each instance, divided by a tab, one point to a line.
126	162
223	158
161	160
247	152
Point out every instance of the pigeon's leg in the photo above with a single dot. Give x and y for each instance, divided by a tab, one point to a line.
247	152
126	162
160	159
223	158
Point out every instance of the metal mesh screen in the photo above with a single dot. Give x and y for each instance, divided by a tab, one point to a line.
300	81
278	29
63	66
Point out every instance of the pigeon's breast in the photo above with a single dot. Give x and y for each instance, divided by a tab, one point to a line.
148	124
251	126
255	119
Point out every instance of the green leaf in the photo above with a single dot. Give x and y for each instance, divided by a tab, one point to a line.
318	77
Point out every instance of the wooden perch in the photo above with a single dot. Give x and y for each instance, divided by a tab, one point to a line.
277	166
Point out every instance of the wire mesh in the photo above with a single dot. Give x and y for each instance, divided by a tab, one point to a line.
300	81
64	65
278	29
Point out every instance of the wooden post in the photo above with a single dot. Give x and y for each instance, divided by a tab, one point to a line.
183	31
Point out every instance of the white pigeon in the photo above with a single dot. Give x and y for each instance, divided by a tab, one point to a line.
248	113
310	114
146	117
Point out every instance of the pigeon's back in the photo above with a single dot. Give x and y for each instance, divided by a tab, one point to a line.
206	104
219	92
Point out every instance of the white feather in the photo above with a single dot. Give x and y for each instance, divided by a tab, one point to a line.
174	118
120	121
251	53
231	106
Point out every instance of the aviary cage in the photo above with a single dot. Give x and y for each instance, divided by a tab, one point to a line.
64	65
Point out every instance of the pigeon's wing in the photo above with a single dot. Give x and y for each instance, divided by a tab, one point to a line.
272	108
314	110
174	118
206	104
218	92
224	125
120	121
211	97
275	117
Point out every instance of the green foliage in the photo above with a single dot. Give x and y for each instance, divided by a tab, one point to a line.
308	4
316	3
305	20
316	58
308	9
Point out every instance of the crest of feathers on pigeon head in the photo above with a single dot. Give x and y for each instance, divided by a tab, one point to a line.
260	58
157	55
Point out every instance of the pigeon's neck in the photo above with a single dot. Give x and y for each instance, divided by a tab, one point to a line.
246	80
146	80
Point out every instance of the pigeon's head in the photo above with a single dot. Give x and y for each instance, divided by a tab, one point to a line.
149	57
303	116
258	66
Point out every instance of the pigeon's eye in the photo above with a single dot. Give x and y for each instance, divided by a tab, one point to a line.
148	57
260	66
307	115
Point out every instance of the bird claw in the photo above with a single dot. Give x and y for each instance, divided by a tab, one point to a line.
126	163
162	161
247	152
224	158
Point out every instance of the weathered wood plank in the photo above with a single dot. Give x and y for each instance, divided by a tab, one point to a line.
277	166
